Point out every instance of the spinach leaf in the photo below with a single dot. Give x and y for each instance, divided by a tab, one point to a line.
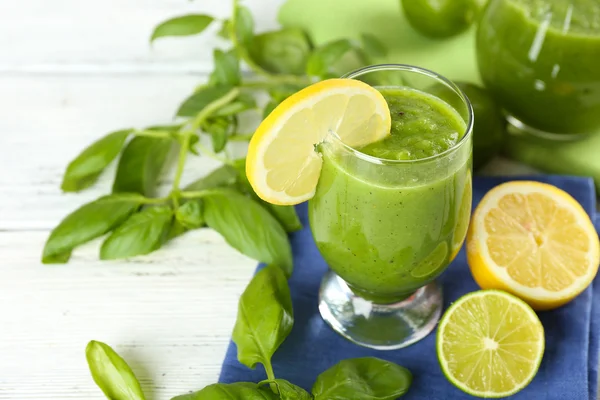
284	51
227	68
248	227
230	391
244	25
324	57
366	378
220	177
182	26
88	222
190	214
142	233
289	391
200	99
286	215
265	317
85	169
140	165
373	46
111	373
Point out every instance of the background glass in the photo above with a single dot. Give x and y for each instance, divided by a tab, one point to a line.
541	61
388	228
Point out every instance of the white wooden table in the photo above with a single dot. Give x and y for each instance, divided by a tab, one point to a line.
71	71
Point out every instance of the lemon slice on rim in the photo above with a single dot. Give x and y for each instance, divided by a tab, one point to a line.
282	164
535	241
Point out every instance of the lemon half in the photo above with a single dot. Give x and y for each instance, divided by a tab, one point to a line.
535	241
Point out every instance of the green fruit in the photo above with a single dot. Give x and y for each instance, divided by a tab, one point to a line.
489	129
441	18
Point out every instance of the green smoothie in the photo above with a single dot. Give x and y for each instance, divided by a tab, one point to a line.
388	227
541	60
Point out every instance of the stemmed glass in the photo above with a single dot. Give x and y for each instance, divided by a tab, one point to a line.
388	228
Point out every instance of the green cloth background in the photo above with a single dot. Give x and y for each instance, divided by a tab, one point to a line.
333	19
454	58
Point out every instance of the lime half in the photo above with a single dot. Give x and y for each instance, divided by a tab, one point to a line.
490	344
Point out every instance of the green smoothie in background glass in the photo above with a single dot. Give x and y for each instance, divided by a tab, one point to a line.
389	217
541	60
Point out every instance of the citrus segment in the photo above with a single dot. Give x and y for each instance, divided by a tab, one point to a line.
282	164
490	344
535	241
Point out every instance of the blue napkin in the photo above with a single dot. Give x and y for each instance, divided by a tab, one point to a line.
568	371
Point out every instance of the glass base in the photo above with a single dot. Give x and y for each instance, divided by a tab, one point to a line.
516	127
379	326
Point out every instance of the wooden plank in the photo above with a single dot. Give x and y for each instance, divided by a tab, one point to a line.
47	121
169	314
62	36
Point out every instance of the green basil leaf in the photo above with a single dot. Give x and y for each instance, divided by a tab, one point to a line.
140	165
225	30
373	46
218	129
190	214
175	230
248	227
197	101
231	391
286	215
227	68
244	25
173	128
281	92
88	222
194	138
285	51
325	56
269	107
366	378
141	234
265	317
85	169
111	373
220	177
288	391
182	26
242	103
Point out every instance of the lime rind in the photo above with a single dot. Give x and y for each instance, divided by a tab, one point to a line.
440	340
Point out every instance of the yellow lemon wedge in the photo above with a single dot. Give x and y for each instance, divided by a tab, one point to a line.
282	164
490	344
535	241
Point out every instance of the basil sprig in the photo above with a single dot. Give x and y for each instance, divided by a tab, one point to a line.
283	61
265	319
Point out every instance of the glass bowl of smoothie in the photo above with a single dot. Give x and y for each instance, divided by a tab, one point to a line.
389	217
541	61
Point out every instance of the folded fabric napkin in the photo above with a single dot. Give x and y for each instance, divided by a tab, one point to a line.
568	371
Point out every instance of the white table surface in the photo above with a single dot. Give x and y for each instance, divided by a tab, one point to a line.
71	71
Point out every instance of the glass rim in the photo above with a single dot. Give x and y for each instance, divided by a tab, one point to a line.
423	71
